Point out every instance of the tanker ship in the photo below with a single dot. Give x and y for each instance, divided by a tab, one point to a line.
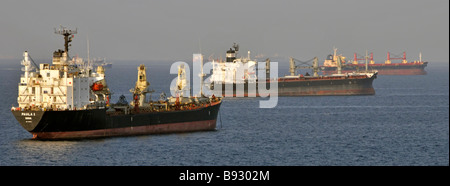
225	78
64	100
386	68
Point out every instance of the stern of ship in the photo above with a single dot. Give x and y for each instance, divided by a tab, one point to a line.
28	119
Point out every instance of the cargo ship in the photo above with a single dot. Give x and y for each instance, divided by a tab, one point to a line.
225	82
387	68
67	101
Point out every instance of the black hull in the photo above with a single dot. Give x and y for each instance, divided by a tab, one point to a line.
306	87
97	123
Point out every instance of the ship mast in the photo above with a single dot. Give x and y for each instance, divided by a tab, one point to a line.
89	60
334	54
202	75
367	57
292	66
316	67
68	35
339	65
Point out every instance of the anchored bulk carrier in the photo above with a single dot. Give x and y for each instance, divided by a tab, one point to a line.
63	100
387	68
225	75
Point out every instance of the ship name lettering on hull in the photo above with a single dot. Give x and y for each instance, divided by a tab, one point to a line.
28	114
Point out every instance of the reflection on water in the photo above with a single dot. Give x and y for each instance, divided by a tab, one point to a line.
37	152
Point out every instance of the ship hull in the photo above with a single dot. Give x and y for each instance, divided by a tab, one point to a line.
336	86
97	123
383	69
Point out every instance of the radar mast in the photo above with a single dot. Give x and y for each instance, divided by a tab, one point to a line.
68	35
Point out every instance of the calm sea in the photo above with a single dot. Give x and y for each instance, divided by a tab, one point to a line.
405	123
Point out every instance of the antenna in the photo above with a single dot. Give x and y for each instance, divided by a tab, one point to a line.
334	49
199	45
87	38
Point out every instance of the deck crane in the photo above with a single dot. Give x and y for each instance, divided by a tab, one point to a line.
389	58
356	59
304	65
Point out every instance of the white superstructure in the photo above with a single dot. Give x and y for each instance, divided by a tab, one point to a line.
234	70
62	85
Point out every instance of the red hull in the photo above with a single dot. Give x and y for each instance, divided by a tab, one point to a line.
130	131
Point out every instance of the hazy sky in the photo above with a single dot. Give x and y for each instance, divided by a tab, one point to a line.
174	29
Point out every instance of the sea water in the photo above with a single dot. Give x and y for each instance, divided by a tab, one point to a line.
405	123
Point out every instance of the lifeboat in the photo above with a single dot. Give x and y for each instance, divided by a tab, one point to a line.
97	87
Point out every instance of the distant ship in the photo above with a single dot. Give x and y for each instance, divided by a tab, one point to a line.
93	64
224	75
101	62
67	101
388	68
